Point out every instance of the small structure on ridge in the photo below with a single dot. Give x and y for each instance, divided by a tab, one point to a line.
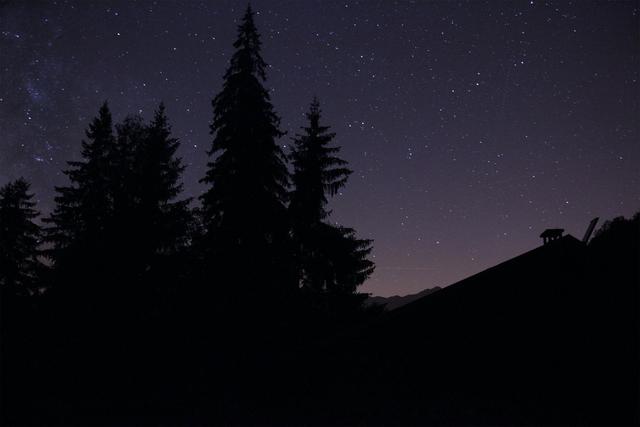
551	234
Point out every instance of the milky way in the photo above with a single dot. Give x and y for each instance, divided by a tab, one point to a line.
471	126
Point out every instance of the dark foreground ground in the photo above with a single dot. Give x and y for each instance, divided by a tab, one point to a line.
550	337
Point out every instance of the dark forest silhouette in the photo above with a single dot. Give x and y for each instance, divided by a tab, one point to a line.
132	304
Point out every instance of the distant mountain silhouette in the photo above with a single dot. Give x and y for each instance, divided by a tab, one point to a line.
396	301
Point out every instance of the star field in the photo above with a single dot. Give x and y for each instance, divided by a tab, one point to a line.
470	126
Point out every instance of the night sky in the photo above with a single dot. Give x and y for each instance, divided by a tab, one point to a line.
470	126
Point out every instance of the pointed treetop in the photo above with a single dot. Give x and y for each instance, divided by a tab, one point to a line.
160	117
314	111
99	133
247	26
104	113
21	185
247	56
248	14
103	120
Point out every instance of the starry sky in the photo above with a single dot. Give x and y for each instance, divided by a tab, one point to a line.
471	126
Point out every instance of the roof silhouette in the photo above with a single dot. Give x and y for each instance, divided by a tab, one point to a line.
559	254
542	338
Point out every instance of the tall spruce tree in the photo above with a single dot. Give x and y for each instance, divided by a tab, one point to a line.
318	173
164	218
77	227
147	226
20	266
331	259
244	209
126	222
149	222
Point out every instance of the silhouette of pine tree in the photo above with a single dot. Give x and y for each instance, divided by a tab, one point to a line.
149	225
318	173
165	218
244	211
77	226
331	259
124	239
20	266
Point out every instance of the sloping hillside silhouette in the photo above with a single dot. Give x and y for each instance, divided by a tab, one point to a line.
548	337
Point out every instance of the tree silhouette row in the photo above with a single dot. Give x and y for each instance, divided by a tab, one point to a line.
122	233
